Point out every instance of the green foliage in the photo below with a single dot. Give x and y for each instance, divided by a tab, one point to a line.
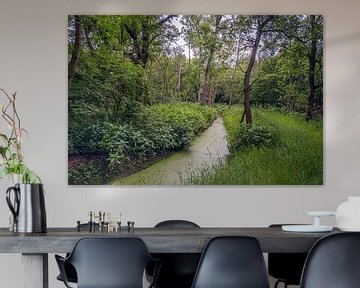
85	137
269	87
122	142
195	117
282	80
255	135
227	85
114	86
165	135
181	120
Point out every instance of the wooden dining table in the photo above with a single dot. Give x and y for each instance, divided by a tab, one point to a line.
35	247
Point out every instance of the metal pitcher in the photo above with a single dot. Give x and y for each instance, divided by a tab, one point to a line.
28	207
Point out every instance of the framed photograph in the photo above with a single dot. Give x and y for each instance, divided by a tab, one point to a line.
195	100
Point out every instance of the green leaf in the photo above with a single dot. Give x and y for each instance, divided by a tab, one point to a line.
3	151
4	137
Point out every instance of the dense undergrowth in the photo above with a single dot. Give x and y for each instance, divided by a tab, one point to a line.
280	148
99	151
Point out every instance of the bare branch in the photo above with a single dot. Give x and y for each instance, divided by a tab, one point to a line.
255	81
290	36
162	21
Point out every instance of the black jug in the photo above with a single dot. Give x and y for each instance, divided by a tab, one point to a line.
28	208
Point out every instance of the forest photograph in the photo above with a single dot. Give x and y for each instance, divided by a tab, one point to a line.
195	99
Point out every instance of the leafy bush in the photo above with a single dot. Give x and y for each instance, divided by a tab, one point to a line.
164	134
123	142
76	139
193	116
257	136
174	126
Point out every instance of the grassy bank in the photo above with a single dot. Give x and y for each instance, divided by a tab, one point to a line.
296	158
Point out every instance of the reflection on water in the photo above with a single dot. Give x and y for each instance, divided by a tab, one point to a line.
207	150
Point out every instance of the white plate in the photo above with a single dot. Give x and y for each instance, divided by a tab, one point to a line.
306	228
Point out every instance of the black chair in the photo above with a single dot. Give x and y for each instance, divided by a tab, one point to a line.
178	269
232	262
108	263
333	262
286	267
69	269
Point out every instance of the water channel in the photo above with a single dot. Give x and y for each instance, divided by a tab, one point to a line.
208	149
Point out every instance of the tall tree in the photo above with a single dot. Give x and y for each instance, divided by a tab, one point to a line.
236	35
178	73
75	55
145	30
186	32
313	57
257	24
204	34
307	30
206	95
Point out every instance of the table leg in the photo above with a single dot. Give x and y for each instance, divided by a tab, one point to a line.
35	270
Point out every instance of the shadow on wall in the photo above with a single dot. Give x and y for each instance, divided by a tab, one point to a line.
345	39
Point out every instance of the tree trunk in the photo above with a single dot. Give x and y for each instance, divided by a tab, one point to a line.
233	76
206	90
247	100
199	85
312	64
73	64
310	42
206	98
165	83
178	78
189	89
141	40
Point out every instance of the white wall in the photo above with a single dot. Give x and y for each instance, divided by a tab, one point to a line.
33	62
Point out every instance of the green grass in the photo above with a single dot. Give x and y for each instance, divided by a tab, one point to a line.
296	159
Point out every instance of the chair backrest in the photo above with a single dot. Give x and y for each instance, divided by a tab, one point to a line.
232	262
176	224
178	269
286	267
333	262
110	262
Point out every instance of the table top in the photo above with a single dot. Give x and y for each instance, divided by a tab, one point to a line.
158	240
